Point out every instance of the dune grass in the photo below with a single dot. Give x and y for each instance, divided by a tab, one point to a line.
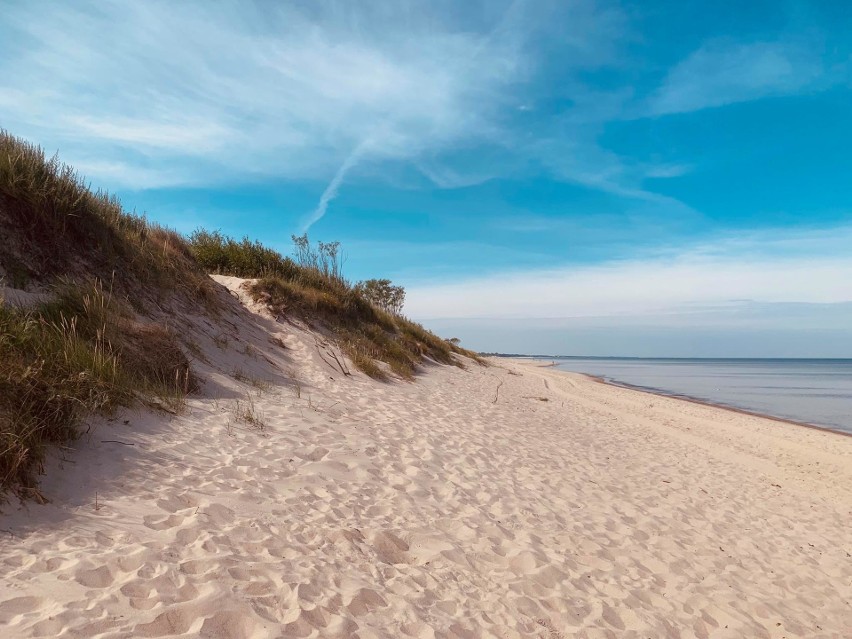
94	347
312	287
53	224
80	353
364	332
223	255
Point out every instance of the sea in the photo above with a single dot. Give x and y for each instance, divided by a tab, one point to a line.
812	391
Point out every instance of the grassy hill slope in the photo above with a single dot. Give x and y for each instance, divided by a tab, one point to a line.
111	285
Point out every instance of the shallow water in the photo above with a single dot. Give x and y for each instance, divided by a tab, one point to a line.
814	391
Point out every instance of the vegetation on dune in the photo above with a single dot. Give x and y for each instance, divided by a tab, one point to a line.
99	342
80	353
217	253
53	224
382	293
365	318
86	350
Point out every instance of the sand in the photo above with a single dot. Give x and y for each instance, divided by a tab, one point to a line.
509	501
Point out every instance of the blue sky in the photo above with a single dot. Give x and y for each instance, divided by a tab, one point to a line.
609	173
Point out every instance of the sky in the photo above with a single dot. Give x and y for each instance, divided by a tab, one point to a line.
571	177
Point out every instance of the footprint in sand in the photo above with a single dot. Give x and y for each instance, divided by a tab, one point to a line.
129	563
48	628
309	620
176	503
233	624
95	578
219	514
197	566
364	601
390	549
312	454
176	621
18	606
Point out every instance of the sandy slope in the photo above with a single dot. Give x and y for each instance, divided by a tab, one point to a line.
565	508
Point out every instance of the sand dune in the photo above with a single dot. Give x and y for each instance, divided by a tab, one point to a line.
510	501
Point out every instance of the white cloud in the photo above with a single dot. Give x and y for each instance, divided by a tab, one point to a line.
192	137
248	88
160	94
722	72
201	94
757	269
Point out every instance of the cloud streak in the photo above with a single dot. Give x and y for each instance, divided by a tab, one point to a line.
723	72
728	273
244	91
334	186
156	94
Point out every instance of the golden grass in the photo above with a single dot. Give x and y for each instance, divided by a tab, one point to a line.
87	351
54	224
312	288
365	332
83	352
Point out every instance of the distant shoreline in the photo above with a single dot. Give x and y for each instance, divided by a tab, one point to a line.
705	402
687	398
669	359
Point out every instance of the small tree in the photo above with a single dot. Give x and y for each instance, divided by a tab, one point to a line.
383	293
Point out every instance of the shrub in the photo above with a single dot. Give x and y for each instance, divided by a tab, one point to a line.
326	259
382	293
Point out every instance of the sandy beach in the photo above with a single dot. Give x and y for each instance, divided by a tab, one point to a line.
291	500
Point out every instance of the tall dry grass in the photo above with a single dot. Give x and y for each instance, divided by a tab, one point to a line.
81	353
54	224
86	350
312	287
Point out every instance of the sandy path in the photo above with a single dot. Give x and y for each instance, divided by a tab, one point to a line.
565	508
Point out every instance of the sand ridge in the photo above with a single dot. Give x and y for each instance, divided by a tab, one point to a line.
510	501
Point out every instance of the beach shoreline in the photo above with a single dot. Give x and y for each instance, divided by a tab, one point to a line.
686	398
512	500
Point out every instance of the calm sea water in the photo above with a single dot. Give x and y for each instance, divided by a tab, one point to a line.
814	391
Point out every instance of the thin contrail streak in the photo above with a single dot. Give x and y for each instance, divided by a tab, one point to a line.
334	186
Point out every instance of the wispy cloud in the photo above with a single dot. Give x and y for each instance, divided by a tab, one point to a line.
771	268
198	94
241	90
155	94
723	72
